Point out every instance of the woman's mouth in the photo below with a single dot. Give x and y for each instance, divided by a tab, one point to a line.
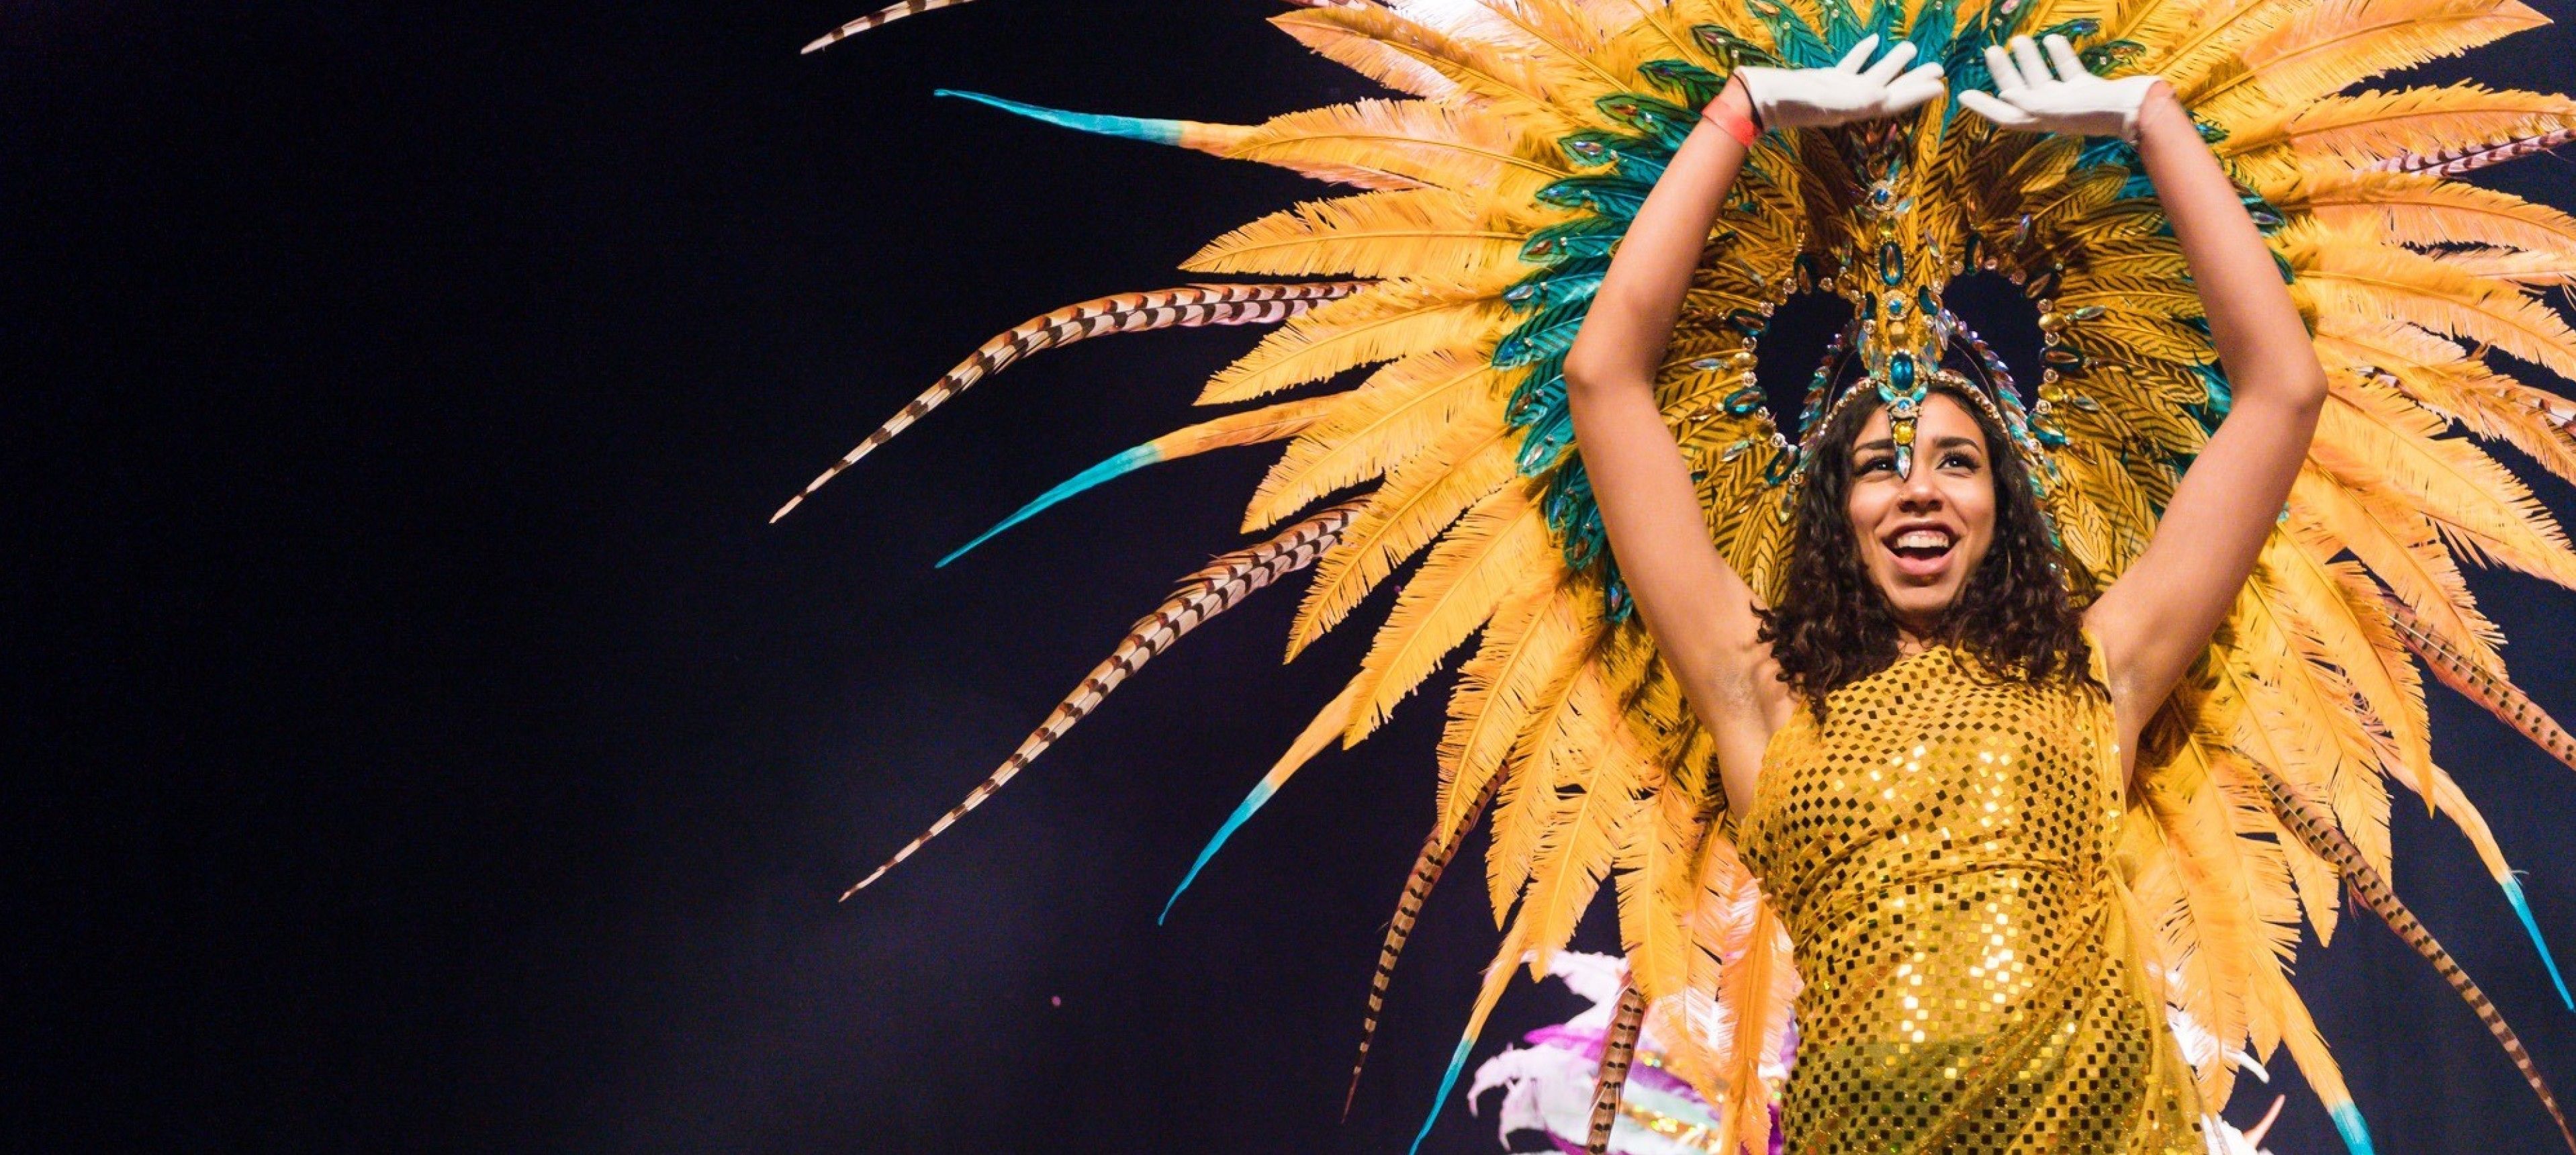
1922	552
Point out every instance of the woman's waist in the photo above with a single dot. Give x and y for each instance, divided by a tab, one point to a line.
2019	894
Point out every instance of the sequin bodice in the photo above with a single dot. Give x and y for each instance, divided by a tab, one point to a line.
1940	848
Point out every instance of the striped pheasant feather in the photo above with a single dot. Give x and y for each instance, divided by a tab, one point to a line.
2320	833
878	19
1437	850
1219	587
1618	1049
1187	307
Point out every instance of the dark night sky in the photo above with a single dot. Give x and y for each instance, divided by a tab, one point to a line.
432	749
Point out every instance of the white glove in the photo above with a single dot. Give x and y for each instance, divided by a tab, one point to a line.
1818	97
2073	101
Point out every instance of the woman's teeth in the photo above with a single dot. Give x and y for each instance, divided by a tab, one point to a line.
1927	540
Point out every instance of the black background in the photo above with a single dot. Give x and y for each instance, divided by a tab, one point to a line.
427	746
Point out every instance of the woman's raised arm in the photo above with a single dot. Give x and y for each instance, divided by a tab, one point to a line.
1698	608
2155	621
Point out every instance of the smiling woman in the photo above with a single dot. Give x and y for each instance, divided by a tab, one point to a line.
1894	553
1930	827
1850	707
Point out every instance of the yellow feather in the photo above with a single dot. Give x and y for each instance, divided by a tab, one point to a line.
2332	45
1758	987
2418	210
1657	26
2307	1048
2400	546
1525	652
2558	268
1381	323
1556	46
2438	375
2349	272
1418	501
1410	142
1424	61
1405	232
2341	611
2212	931
1527	804
2366	128
1501	546
1397	414
2334	747
2136	21
1596	770
2471	499
2217	711
2456	805
1250	427
1655	892
2273	729
2216	33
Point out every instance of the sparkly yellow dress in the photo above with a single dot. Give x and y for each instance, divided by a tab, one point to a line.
1940	849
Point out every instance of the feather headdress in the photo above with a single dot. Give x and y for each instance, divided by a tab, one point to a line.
1490	192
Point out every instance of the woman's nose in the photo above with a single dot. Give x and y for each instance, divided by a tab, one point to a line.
1916	490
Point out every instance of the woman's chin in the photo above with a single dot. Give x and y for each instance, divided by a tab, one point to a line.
1919	608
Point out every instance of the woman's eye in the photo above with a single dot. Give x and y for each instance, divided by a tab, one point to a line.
1874	465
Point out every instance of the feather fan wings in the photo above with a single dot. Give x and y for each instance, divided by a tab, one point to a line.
1487	199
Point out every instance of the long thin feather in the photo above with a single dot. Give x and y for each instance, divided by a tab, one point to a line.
2372	890
1498	975
1185	307
877	19
1428	866
2452	159
2332	45
2374	127
1319	733
2484	683
1403	143
1251	427
1387	322
1501	546
1196	135
1401	411
2324	1075
1220	586
1618	1049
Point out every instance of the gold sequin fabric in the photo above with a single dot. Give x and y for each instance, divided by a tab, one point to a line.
1940	849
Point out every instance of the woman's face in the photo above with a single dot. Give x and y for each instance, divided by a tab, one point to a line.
1921	536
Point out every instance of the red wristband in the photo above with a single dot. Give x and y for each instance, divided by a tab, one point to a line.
1731	122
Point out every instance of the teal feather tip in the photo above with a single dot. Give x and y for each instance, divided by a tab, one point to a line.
1254	801
1448	1083
1117	466
2356	1134
2522	910
1131	127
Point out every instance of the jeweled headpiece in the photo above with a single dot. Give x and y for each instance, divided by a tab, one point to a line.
1893	257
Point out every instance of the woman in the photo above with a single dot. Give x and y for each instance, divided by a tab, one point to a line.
1927	740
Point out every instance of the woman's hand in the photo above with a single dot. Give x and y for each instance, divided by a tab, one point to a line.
2073	101
1821	97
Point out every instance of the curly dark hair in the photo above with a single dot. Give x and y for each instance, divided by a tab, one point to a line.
2016	615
